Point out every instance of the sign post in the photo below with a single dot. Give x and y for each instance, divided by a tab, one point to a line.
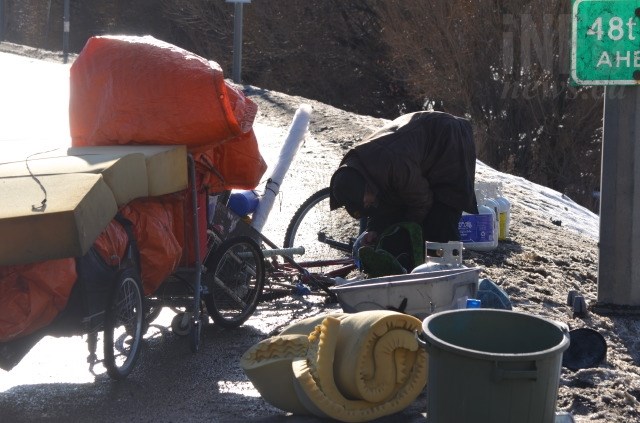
65	30
237	38
1	20
606	51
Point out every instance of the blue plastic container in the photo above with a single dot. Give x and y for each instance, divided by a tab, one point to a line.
243	202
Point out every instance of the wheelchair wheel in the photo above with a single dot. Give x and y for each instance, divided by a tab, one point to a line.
234	277
124	321
181	324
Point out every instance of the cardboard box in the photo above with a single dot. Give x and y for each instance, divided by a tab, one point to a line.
77	209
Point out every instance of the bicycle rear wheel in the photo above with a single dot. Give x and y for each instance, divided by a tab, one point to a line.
325	234
235	279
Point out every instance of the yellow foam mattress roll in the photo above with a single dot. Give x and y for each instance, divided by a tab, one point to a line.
349	367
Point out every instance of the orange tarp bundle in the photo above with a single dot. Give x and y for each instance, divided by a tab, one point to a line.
233	160
112	244
159	249
158	235
179	205
163	230
140	90
32	295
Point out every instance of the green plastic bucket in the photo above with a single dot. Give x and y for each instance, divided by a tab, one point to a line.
492	366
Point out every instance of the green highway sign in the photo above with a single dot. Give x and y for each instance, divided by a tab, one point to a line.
605	42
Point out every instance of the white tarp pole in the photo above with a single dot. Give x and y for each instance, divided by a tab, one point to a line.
297	131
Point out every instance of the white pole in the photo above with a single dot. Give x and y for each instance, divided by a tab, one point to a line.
297	131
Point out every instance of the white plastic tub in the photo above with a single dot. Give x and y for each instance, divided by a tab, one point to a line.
417	294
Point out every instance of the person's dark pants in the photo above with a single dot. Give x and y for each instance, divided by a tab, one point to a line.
441	224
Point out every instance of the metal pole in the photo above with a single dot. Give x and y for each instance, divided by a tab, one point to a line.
46	31
65	33
237	42
619	246
1	20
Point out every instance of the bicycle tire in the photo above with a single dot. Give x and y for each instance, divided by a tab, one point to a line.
313	218
235	279
124	323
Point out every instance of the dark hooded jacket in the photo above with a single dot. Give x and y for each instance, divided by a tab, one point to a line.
415	160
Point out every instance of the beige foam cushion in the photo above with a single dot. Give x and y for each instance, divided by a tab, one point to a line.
78	208
166	165
126	175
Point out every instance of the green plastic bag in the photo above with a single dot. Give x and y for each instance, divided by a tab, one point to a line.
398	250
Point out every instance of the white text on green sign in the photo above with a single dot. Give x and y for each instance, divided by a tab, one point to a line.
606	42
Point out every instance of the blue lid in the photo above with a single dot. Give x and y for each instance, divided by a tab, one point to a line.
473	303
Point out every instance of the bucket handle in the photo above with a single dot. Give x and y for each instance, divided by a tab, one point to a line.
422	343
499	374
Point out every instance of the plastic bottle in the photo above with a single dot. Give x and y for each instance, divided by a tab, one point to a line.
505	214
479	232
489	194
488	199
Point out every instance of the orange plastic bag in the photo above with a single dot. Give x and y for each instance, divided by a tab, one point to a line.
111	244
128	89
236	164
181	206
159	249
32	295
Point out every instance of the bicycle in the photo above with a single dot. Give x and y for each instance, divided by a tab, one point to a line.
324	233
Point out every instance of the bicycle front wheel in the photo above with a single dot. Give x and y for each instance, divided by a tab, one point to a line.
325	234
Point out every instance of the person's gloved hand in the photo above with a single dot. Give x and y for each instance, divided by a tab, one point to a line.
367	238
